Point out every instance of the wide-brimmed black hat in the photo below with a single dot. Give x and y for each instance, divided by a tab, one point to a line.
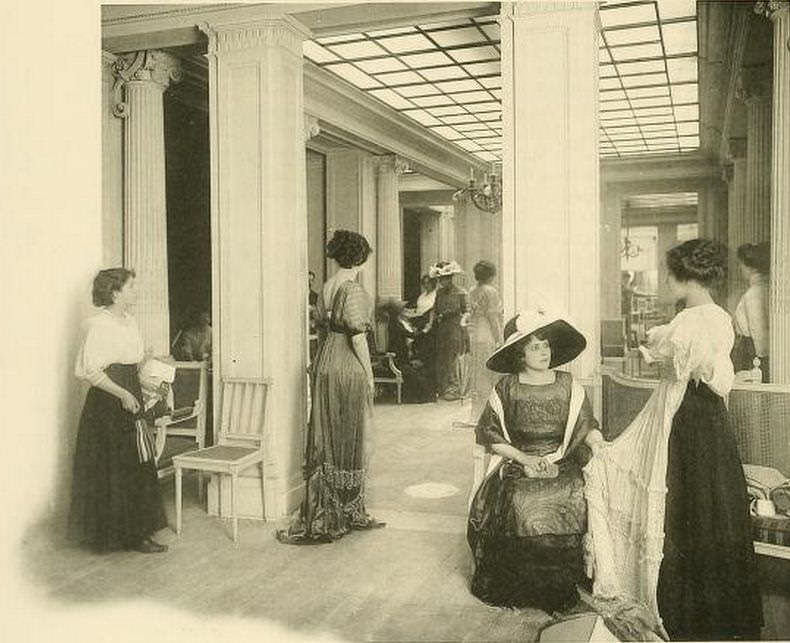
566	342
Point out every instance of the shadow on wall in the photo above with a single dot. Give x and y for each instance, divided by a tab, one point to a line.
68	404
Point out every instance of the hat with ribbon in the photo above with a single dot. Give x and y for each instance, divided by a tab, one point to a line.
444	269
566	342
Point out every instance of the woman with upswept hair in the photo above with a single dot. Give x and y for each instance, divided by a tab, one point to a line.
337	442
668	507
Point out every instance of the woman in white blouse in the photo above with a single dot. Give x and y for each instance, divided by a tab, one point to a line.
667	505
751	314
115	499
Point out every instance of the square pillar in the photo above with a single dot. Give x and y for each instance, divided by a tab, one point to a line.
259	231
550	214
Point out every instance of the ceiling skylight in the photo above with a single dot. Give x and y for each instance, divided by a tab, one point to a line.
447	77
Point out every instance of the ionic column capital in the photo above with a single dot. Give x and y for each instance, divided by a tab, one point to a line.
149	66
311	127
391	163
771	8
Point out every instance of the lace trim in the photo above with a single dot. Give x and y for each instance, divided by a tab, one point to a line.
341	479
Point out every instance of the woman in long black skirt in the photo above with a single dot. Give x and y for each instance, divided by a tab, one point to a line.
115	499
669	513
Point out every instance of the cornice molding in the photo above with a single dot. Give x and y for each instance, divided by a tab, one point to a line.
422	147
391	163
281	31
517	9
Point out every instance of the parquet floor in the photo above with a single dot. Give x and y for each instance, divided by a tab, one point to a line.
407	582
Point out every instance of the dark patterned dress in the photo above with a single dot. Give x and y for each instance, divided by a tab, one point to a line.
526	533
335	452
452	341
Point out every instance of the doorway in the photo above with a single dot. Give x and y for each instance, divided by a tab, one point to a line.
412	244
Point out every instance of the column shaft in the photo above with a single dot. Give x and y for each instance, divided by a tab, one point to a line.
611	224
737	228
779	309
389	244
551	186
144	77
758	168
259	232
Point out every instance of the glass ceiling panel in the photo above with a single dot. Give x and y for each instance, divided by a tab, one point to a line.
449	73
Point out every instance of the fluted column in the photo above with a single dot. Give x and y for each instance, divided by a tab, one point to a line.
550	213
737	225
755	91
779	312
142	78
611	223
389	242
259	232
447	236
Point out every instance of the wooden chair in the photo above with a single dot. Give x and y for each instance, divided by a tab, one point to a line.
184	428
385	371
239	444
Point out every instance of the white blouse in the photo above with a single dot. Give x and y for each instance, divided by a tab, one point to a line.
697	344
751	315
109	339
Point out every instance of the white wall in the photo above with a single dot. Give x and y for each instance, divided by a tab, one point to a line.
52	228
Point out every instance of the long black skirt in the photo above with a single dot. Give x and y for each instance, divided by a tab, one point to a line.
115	500
707	586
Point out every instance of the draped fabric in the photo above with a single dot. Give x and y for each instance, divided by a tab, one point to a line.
631	508
526	533
336	453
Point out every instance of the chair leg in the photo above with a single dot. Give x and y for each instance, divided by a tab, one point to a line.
200	487
233	500
178	499
399	396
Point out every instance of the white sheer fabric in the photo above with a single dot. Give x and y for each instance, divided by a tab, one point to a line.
625	481
109	339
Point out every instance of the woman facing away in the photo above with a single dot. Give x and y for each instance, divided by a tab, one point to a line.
342	400
451	337
115	499
528	517
751	314
669	517
485	334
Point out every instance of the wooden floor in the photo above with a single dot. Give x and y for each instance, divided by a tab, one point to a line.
407	582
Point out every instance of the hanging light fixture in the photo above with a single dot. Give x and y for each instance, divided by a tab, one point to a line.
487	197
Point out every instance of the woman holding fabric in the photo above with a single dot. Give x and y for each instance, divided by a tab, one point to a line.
115	499
528	517
669	516
342	400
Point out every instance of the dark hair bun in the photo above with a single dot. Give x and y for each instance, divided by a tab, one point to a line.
484	270
756	255
700	260
348	248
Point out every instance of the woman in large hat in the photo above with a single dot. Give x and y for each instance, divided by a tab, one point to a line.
452	341
528	517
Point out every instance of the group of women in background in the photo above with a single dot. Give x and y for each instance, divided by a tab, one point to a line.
659	514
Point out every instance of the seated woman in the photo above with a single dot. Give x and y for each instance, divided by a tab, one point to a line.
528	517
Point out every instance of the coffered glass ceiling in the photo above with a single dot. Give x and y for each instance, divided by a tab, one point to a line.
447	77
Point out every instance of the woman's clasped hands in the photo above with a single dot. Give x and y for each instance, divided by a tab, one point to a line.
539	467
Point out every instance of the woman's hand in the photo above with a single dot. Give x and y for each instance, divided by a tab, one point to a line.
372	386
129	402
539	467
